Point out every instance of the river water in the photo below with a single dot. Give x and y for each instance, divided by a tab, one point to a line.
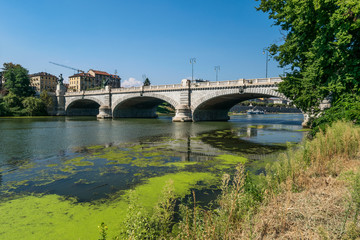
71	164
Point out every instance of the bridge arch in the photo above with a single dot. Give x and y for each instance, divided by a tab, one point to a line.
216	105
83	106
140	106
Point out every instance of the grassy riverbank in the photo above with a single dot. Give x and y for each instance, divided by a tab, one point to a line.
312	192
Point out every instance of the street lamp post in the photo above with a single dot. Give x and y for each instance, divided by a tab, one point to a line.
192	61
217	68
267	60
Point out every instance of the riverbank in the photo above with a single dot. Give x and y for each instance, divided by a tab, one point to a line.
280	109
312	192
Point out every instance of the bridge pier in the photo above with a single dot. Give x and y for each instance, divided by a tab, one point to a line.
104	112
183	114
60	99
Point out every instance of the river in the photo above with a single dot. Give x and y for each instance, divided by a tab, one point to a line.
71	173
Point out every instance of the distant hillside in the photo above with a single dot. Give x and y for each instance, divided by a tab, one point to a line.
165	108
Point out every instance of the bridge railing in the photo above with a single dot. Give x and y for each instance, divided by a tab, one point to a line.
100	91
168	86
130	89
239	82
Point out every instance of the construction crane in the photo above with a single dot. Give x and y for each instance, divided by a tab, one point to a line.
61	65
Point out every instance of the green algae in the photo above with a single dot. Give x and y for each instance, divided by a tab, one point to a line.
15	184
74	160
304	130
47	180
112	170
68	169
96	147
52	165
78	161
180	165
54	217
83	163
27	166
83	181
231	159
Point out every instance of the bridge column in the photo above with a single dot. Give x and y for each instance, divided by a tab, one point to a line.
60	99
183	114
105	110
183	110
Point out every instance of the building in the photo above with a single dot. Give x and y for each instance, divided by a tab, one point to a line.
93	79
43	81
277	101
102	77
66	85
81	81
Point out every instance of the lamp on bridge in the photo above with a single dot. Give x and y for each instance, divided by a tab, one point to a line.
267	60
217	68
192	61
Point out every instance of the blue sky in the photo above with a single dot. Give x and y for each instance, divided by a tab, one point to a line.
137	37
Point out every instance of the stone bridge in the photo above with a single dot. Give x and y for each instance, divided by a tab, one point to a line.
200	101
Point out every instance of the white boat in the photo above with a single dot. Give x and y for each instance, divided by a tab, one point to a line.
252	111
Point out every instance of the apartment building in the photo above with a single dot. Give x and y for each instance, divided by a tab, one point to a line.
81	81
101	77
43	81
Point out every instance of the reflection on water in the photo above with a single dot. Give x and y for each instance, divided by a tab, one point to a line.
89	159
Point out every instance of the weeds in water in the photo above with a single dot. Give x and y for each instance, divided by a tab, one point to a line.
103	231
140	224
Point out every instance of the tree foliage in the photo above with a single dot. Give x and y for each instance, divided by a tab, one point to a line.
34	106
47	99
321	48
18	99
17	80
12	105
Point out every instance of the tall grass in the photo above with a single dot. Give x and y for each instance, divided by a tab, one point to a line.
324	155
270	207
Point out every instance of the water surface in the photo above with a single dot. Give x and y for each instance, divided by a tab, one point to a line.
76	161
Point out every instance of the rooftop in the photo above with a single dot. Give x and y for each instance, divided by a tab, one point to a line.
41	74
104	73
81	75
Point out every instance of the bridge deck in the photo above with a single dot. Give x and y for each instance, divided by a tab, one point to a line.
208	85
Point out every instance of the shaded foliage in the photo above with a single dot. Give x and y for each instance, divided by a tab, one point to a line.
322	50
17	80
34	106
46	99
18	97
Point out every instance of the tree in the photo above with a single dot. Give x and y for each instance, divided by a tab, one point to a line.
34	106
46	99
17	80
147	82
3	111
12	105
322	48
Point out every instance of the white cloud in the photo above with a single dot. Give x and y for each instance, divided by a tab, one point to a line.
131	82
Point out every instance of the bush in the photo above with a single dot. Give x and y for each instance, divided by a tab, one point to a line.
34	107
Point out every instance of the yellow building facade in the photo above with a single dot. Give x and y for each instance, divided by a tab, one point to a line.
101	76
43	81
80	82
